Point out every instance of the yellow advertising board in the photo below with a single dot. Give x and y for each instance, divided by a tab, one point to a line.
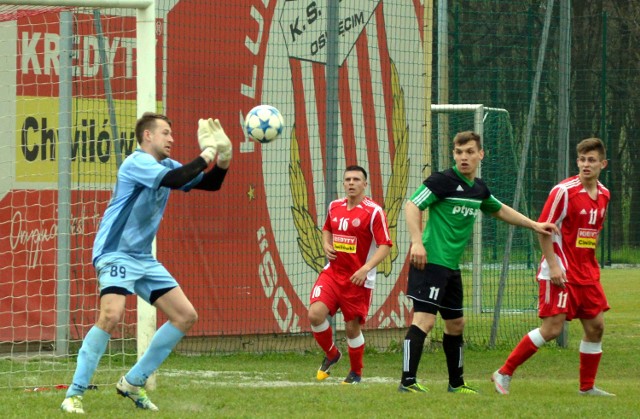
95	139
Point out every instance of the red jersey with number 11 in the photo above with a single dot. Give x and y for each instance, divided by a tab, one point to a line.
580	219
356	234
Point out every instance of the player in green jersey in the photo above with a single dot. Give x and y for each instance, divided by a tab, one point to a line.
454	197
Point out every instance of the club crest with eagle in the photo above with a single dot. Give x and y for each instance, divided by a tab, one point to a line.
374	132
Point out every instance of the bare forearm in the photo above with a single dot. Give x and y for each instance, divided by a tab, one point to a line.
546	245
511	216
414	222
379	255
327	238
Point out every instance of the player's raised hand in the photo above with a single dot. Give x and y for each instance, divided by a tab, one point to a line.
222	143
205	137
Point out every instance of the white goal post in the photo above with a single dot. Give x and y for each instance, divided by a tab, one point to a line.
145	101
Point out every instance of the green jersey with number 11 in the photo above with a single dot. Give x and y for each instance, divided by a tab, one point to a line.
453	202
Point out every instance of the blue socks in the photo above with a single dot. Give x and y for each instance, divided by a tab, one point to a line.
95	344
93	347
162	343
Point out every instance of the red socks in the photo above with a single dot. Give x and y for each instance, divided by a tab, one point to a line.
588	370
356	356
325	340
523	351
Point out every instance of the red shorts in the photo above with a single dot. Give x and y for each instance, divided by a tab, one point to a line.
351	299
576	301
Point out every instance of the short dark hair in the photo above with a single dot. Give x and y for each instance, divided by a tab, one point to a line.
356	168
464	137
591	144
148	121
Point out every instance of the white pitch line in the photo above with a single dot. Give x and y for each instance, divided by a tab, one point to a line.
259	379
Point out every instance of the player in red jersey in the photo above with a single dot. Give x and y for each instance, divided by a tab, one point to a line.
355	239
569	274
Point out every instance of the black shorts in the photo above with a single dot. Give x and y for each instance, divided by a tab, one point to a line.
436	289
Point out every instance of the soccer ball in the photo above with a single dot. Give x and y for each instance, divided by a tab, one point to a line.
263	123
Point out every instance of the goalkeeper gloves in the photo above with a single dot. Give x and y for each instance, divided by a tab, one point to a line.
209	154
222	143
204	136
211	135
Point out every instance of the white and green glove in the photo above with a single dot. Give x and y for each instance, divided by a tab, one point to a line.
208	154
223	145
204	136
206	142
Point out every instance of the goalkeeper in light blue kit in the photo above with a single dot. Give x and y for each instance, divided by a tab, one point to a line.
122	250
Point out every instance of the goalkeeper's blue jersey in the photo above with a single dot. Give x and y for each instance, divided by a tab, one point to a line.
137	204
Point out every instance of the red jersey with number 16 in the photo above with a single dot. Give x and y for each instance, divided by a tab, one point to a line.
580	219
356	234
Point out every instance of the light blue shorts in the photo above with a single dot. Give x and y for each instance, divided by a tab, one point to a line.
140	275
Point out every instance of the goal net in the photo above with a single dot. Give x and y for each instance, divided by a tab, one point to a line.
67	109
75	76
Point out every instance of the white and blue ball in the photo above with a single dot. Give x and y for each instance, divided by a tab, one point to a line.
263	123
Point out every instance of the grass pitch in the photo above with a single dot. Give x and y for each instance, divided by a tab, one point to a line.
284	385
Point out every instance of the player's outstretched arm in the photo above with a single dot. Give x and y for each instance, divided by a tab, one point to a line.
210	135
177	178
212	180
511	216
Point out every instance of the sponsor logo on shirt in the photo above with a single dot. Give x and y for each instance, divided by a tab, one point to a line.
346	244
465	211
587	238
